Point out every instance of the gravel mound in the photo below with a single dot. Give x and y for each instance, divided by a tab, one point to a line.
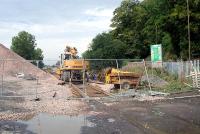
11	64
154	80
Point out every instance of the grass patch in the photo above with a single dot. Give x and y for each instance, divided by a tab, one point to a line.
175	84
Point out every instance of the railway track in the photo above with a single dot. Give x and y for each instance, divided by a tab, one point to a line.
80	91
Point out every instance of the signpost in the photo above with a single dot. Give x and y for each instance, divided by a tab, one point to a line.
156	55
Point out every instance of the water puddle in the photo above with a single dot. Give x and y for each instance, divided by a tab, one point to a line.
49	124
111	120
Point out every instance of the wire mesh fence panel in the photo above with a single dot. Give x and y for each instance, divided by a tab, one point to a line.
116	76
1	76
24	82
20	78
139	74
25	78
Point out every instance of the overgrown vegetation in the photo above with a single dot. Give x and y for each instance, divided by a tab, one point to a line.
175	84
172	83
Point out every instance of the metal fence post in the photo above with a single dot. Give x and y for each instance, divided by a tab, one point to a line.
36	90
37	63
84	76
172	67
147	74
2	77
1	85
180	70
195	64
120	86
186	68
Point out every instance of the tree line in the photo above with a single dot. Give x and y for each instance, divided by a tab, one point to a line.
138	25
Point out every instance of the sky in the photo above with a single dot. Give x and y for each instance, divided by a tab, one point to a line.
56	23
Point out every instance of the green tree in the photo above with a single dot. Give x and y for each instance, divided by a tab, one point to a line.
141	24
39	56
104	46
128	23
25	45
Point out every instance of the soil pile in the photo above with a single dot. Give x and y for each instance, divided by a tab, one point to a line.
11	64
155	81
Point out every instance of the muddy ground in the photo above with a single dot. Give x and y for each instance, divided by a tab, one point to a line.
18	99
178	116
60	114
171	116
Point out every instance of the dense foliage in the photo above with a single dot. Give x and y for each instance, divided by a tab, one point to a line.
137	25
25	45
104	46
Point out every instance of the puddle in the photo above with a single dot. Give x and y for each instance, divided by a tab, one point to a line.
93	107
50	124
90	124
111	120
157	112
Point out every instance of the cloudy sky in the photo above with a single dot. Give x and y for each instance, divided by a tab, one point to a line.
56	23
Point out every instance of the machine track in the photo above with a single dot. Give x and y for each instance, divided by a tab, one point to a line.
80	91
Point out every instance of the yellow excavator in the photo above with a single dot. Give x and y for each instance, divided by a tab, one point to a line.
71	68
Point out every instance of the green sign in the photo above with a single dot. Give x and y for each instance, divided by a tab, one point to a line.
156	53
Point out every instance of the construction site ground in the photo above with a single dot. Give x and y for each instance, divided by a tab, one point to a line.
37	104
177	113
165	116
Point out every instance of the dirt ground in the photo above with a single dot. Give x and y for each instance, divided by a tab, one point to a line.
149	115
18	101
166	116
174	116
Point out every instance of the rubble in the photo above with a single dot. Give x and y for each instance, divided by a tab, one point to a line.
154	80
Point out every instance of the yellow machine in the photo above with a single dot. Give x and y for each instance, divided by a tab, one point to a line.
71	67
125	79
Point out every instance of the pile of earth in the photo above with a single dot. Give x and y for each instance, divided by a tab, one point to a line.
154	80
12	64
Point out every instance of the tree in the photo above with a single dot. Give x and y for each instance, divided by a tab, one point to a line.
104	46
127	23
25	45
141	24
39	56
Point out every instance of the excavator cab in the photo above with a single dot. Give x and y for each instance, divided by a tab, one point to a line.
67	56
71	67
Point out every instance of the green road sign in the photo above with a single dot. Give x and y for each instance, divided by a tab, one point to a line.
156	53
